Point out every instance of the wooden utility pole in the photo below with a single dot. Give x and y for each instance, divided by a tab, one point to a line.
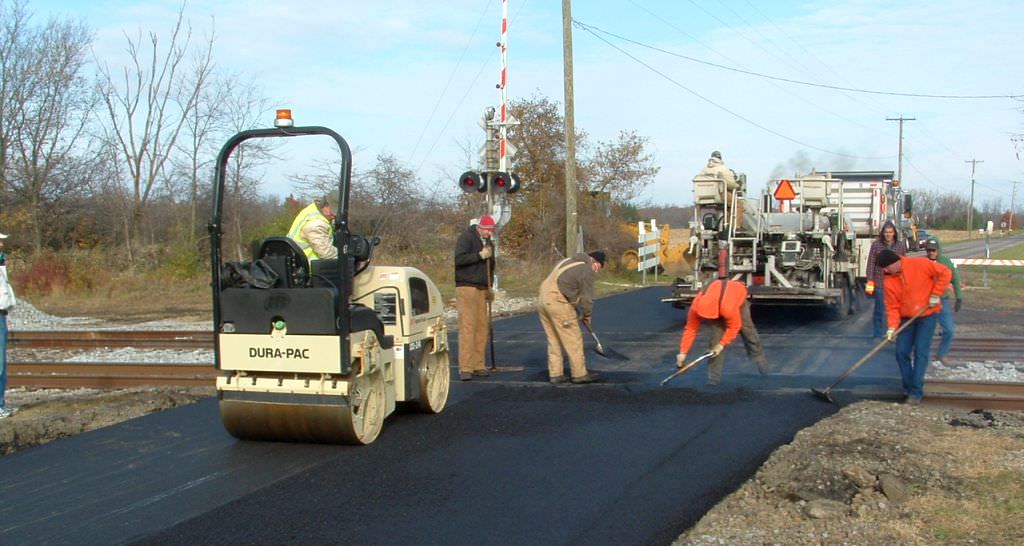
571	242
970	209
899	164
1013	204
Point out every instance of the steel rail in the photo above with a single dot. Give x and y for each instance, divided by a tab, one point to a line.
88	339
974	394
104	375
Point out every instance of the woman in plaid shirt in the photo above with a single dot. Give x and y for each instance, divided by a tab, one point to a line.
888	238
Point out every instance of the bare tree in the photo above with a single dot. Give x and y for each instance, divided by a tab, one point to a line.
54	112
622	168
147	104
244	106
15	65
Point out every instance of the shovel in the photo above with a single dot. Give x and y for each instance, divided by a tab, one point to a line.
686	367
826	394
599	349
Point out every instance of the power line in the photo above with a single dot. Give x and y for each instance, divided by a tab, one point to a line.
793	94
719	106
594	30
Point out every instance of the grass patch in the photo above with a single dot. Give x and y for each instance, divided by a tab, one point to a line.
990	511
995	287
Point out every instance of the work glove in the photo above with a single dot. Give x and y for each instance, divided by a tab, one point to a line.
717	349
680	360
869	288
959	303
487	252
890	335
934	300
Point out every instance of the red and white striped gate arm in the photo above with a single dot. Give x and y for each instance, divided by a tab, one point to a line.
503	44
986	261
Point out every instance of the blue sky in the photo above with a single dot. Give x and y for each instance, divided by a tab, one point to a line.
411	78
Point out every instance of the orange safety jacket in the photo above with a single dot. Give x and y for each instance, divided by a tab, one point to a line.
908	291
711	304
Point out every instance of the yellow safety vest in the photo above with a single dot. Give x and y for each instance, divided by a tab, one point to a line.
295	233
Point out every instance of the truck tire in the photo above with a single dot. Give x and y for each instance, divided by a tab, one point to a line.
841	308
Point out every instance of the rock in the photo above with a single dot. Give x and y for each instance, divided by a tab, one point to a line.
894	488
860	477
826	509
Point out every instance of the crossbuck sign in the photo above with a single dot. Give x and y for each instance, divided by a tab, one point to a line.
649	251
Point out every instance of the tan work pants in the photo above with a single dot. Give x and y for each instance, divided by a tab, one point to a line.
751	340
471	304
558	317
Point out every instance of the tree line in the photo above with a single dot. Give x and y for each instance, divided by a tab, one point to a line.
102	155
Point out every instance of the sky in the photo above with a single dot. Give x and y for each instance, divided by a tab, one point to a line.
412	78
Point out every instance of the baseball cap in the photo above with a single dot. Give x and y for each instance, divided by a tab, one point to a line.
486	222
931	244
887	257
598	256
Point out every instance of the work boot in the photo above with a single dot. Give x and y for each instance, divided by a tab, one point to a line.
5	413
713	381
591	377
912	401
762	365
558	379
482	372
465	376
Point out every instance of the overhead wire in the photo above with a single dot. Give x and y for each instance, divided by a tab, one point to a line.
451	77
588	28
666	22
594	30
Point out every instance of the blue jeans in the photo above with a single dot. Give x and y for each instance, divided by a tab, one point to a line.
3	358
879	323
946	322
913	348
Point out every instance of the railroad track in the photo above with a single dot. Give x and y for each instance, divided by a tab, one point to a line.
91	339
100	375
975	394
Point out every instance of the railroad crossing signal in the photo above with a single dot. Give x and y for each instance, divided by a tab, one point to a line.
499	182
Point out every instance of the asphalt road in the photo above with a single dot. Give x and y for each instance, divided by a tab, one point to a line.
512	460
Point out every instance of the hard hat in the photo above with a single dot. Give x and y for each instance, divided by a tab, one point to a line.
931	244
329	200
716	154
487	222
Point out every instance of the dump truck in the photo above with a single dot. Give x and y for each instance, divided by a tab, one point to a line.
801	241
321	350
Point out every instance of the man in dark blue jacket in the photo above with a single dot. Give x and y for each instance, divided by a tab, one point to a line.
474	273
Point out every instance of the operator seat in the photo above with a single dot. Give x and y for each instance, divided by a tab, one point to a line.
287	260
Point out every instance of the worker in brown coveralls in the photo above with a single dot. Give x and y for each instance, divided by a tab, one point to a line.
569	289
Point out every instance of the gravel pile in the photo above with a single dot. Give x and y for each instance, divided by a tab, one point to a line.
26	317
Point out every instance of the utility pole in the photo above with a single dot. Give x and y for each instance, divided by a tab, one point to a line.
899	164
1013	204
571	239
970	210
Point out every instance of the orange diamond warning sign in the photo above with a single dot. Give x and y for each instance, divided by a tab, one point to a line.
784	192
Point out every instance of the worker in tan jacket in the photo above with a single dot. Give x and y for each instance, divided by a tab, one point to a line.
717	168
568	293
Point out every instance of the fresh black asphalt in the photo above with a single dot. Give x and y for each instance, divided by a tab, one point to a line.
512	460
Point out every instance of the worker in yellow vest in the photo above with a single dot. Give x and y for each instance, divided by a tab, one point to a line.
312	228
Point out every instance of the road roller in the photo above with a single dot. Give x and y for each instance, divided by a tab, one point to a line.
321	350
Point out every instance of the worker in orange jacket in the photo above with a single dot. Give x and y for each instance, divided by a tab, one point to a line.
724	304
912	284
